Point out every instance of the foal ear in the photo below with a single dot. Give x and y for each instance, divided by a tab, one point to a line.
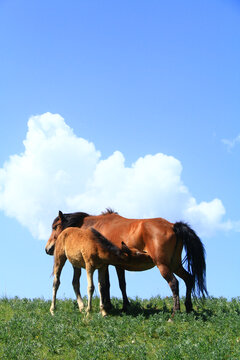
125	248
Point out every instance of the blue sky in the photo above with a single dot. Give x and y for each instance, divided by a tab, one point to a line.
132	79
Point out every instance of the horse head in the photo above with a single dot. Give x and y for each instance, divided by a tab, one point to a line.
57	228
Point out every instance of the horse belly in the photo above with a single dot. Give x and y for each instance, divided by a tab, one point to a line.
76	259
137	267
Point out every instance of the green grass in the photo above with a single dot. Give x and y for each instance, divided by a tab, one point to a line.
28	331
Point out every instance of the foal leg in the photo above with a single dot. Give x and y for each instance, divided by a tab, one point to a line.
173	283
76	287
90	288
189	281
102	287
122	285
58	265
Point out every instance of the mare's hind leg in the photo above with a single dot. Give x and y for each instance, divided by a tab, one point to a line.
58	265
173	283
189	282
90	288
76	287
122	285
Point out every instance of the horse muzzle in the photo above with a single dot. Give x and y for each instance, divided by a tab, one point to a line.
50	250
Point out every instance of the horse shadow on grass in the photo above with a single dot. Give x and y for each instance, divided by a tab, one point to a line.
136	308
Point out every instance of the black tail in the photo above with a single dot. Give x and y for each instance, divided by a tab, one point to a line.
195	256
108	245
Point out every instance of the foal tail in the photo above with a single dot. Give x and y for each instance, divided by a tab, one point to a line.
195	256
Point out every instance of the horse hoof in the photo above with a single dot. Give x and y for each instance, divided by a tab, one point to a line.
88	313
104	313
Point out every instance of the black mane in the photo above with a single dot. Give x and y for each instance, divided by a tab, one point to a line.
108	211
76	219
72	219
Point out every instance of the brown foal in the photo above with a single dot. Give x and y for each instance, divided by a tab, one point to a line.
87	248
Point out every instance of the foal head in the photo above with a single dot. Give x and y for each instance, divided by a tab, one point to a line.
61	222
57	228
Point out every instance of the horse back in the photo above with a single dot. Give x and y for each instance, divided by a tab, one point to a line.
78	246
117	229
134	232
156	235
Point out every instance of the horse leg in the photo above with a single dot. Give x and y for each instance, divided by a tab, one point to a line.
102	288
58	265
76	287
173	283
90	288
106	291
122	285
189	281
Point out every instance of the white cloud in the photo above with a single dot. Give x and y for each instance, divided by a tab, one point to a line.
59	170
207	216
55	164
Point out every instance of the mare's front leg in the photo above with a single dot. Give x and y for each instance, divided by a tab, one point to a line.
58	265
90	288
76	287
122	285
106	291
102	288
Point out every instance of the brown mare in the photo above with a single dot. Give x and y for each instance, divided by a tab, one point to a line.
163	241
87	248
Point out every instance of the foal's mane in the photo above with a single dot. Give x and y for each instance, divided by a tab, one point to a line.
108	245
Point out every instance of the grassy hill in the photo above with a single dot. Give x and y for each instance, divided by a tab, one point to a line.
28	331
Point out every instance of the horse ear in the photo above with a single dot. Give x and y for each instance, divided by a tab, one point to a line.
61	216
125	248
